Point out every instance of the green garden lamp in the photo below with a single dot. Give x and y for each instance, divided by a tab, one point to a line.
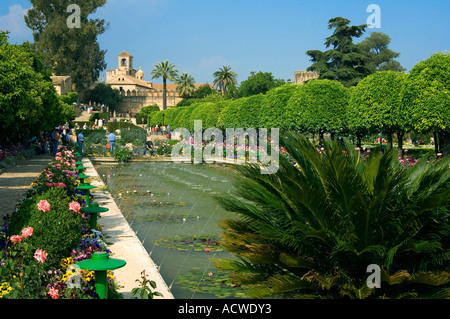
85	187
79	163
82	177
80	168
100	263
93	210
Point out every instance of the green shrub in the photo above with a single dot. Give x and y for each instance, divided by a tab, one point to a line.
56	231
122	154
136	136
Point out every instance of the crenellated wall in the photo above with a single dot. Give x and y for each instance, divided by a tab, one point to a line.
135	100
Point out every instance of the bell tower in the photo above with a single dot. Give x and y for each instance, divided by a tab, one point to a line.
125	62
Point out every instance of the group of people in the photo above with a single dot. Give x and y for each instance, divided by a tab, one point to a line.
111	142
163	130
49	141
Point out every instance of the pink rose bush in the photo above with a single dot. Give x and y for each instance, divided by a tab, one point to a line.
43	206
40	255
27	232
75	206
50	209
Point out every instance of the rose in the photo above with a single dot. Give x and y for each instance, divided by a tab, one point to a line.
40	255
75	206
53	293
43	206
27	232
16	238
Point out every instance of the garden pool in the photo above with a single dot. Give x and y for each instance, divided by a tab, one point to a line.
171	208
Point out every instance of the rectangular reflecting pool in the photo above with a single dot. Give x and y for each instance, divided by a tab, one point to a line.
172	209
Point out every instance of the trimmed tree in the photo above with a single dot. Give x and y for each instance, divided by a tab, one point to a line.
319	106
427	99
376	105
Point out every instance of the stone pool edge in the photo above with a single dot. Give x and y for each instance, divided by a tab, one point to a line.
123	242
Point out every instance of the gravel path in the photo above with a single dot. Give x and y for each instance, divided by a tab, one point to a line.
16	179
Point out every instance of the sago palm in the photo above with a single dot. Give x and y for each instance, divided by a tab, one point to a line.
312	229
166	70
223	78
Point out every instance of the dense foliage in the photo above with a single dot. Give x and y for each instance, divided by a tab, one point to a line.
68	51
29	103
312	229
45	235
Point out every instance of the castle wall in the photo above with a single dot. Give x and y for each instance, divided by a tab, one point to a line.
135	100
302	76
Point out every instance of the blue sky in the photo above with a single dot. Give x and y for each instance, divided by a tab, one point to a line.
201	36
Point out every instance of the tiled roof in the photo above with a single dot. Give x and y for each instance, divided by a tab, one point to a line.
173	86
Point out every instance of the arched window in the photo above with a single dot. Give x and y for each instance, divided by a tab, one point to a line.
124	62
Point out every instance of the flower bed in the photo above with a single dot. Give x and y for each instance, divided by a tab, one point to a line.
46	235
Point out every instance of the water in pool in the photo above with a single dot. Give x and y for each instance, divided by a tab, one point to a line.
172	209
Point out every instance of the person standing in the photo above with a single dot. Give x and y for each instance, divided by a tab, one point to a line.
112	141
55	140
80	139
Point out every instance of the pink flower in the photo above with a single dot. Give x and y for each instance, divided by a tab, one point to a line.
75	206
54	293
27	232
210	274
206	250
40	255
43	206
16	238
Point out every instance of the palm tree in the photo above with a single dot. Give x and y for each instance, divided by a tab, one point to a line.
186	85
166	70
312	229
223	78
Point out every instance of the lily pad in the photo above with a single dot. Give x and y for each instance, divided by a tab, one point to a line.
211	281
196	243
163	217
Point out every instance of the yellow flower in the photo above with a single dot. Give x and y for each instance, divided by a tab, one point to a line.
65	262
90	275
5	289
110	275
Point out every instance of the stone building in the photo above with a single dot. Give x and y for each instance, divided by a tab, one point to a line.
62	83
124	78
137	92
301	77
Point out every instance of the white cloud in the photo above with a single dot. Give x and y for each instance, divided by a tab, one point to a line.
14	22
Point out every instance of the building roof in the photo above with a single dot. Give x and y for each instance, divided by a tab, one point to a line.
173	86
125	53
129	80
57	79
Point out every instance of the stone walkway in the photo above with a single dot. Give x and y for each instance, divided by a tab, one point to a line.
123	242
16	179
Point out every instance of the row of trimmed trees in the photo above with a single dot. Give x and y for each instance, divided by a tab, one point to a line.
386	101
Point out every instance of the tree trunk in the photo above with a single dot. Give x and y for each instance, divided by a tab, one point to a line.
358	139
444	142
164	94
389	136
321	137
400	142
436	142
